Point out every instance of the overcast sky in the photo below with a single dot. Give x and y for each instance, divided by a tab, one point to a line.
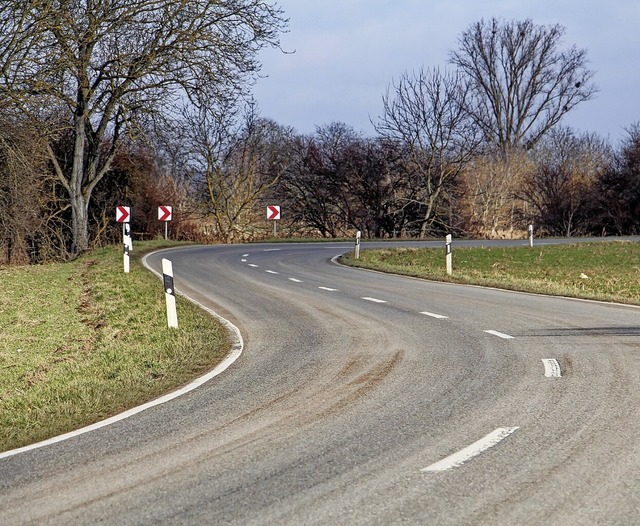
345	53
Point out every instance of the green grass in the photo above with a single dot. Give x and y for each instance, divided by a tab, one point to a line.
608	271
82	341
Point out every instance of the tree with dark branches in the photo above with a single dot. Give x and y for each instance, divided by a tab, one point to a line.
522	81
425	112
97	67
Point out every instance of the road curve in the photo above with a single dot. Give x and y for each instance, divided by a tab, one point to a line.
362	398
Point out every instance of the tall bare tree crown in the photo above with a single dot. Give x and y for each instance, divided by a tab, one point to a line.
522	79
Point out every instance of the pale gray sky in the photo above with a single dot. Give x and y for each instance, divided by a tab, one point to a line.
347	52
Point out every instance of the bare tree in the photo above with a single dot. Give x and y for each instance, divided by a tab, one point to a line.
339	182
313	187
102	65
309	190
426	112
23	207
234	160
489	205
619	188
562	188
522	81
373	187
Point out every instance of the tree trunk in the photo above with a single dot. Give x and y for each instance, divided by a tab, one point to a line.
79	199
80	223
427	220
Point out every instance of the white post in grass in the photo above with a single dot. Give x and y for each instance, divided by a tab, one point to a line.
357	250
530	235
449	257
126	258
126	235
169	293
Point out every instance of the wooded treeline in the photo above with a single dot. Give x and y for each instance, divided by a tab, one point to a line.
148	103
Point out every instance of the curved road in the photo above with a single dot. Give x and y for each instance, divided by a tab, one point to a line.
362	398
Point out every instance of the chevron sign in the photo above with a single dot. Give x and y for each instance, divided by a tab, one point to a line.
164	213
273	212
123	214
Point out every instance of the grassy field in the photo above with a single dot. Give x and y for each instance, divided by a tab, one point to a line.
82	341
608	271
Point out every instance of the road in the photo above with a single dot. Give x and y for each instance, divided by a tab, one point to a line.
363	398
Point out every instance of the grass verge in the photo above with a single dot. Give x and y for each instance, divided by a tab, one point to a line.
607	271
83	341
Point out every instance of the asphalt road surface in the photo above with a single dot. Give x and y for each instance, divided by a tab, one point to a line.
363	398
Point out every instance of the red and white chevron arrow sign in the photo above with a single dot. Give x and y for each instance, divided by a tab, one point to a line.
273	212
164	213
123	214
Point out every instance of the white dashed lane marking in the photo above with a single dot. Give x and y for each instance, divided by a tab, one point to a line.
500	335
374	300
469	452
551	368
433	315
296	280
329	289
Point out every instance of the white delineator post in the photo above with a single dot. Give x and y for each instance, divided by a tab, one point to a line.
530	235
169	293
126	235
128	245
449	257
126	258
123	215
357	249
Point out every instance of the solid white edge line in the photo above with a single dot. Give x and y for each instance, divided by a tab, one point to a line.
469	452
500	335
552	368
237	346
374	300
433	315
